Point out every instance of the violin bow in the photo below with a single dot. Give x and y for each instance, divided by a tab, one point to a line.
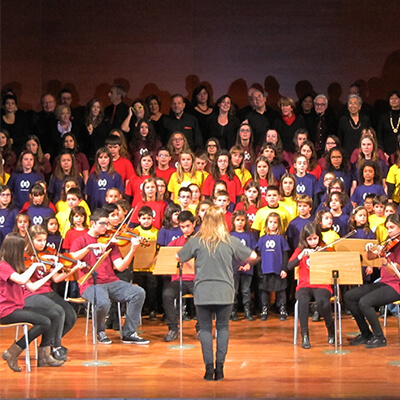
353	232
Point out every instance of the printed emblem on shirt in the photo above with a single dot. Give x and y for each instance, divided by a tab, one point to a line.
270	245
102	183
37	220
24	185
300	188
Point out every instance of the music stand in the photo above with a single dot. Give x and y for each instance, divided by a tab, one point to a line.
144	256
167	264
81	281
335	269
358	245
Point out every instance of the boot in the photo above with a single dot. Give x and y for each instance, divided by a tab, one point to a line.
282	313
247	313
264	313
11	356
46	359
331	334
219	371
209	375
305	342
234	316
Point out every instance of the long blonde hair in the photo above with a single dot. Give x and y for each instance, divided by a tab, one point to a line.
213	229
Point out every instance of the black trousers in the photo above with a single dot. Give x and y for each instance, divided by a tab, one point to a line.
362	301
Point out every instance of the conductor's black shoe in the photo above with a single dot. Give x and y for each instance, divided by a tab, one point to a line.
170	336
376	342
103	338
305	342
135	339
360	339
185	316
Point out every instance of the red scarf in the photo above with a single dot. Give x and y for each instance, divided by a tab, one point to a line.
289	120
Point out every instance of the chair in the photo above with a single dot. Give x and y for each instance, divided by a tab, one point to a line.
397	304
25	326
81	300
296	318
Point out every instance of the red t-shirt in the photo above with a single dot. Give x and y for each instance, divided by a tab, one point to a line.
134	188
70	237
11	296
158	208
304	273
125	168
234	187
105	271
386	277
166	174
45	288
251	211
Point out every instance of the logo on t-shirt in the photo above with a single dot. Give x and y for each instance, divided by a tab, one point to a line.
37	220
336	228
300	188
2	220
102	183
25	184
270	244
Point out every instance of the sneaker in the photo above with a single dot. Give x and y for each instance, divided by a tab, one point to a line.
359	340
103	338
315	317
376	342
135	339
170	336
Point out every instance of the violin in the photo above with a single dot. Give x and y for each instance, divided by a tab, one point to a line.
390	243
121	239
65	259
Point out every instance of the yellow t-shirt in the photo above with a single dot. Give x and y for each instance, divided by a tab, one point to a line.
329	237
381	233
393	177
262	214
174	185
3	181
291	207
63	216
149	234
244	176
375	221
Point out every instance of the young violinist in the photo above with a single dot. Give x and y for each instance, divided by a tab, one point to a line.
310	240
13	275
42	296
109	287
363	300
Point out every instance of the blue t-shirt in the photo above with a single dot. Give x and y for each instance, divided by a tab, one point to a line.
306	185
20	184
362	191
55	187
271	248
345	176
39	213
248	239
340	224
7	220
166	236
278	171
96	189
294	229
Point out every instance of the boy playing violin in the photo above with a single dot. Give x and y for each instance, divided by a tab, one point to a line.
109	286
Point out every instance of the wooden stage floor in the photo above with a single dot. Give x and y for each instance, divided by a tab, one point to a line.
262	362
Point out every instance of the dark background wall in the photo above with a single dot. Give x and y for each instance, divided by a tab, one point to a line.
170	46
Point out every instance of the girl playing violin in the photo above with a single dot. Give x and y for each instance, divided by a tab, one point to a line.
310	240
43	297
13	308
362	300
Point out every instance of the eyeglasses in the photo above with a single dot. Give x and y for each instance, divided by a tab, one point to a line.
164	155
211	145
5	194
244	130
319	104
177	140
330	143
137	108
102	223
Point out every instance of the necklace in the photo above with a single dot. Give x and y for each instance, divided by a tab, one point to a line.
202	109
395	130
353	125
